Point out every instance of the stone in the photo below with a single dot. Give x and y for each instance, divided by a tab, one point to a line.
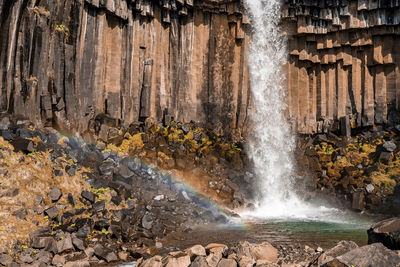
358	200
369	188
386	232
52	212
65	245
263	251
227	263
345	127
385	157
46	243
12	192
105	253
123	255
199	262
178	260
341	248
55	194
5	259
81	263
213	259
147	221
78	243
89	196
107	167
152	262
99	206
245	261
215	247
23	145
371	255
196	250
20	213
58	260
389	146
70	170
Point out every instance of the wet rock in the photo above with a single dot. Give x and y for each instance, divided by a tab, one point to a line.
358	200
55	194
366	256
52	212
389	146
89	196
20	213
227	263
58	260
386	232
341	248
5	259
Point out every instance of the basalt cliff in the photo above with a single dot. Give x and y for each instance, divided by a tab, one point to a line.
78	64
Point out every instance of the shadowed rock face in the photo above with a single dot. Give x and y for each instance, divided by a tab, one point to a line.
69	63
65	63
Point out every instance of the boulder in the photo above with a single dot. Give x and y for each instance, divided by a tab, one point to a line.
367	256
213	259
386	232
245	261
199	262
177	259
81	263
389	146
341	248
227	263
215	247
65	245
358	200
196	250
152	262
263	251
105	253
5	259
58	260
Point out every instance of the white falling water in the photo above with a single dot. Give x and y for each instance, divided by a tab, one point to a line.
272	142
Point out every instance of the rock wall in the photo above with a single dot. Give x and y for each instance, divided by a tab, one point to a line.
66	63
344	62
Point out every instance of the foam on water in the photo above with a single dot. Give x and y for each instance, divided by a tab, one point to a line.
271	144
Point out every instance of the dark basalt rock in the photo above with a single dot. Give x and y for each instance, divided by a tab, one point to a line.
23	145
91	197
386	232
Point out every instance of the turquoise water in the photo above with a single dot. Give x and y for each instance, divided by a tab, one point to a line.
279	232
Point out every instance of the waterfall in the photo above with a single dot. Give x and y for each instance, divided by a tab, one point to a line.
271	142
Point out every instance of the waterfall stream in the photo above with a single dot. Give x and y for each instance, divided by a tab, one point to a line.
271	144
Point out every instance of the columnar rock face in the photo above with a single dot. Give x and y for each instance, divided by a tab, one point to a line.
344	61
71	63
66	63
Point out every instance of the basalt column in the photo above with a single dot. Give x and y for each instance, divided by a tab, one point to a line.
68	63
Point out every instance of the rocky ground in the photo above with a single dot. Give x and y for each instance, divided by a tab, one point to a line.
361	171
67	202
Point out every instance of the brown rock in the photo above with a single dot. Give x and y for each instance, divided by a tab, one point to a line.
341	248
